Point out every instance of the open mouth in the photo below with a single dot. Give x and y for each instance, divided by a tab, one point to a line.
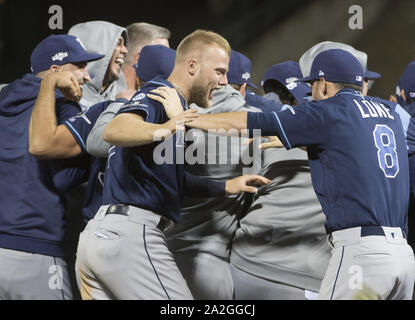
119	62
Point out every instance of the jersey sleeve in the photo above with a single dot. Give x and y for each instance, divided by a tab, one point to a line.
81	125
301	125
265	105
66	109
195	186
145	107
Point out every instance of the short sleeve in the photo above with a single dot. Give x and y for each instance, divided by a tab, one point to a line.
301	125
66	109
81	125
143	106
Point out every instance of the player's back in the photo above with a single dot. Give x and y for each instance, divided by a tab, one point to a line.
360	172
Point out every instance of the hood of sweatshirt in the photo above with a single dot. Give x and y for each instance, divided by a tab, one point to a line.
20	95
100	37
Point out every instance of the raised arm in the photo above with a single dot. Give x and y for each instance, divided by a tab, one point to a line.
47	139
95	144
130	130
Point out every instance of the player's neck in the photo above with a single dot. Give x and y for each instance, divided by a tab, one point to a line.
180	85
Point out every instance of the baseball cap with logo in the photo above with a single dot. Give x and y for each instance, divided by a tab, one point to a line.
239	69
336	65
287	73
155	60
407	81
58	50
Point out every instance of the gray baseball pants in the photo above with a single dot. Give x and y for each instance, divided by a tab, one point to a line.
208	277
369	266
126	257
30	276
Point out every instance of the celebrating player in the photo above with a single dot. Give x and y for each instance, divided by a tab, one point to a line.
122	252
359	166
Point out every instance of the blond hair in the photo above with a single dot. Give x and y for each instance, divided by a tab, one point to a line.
198	40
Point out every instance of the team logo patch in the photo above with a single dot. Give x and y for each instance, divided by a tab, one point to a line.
246	76
321	73
59	56
140	96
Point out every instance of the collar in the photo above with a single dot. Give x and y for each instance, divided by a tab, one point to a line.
349	91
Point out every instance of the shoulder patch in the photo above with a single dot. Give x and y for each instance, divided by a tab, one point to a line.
140	96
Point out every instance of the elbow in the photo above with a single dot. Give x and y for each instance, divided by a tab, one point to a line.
108	135
39	151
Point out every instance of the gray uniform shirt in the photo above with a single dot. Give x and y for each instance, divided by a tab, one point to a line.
208	224
282	237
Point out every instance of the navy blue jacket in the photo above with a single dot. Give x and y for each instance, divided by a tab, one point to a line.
32	191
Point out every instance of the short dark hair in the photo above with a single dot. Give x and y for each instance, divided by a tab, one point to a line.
272	85
341	86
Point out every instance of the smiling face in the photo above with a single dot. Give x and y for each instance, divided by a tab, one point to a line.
211	75
116	62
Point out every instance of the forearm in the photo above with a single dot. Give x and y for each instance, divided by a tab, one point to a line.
226	121
95	144
43	123
195	186
130	130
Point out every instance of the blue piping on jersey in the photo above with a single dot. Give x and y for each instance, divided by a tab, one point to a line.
162	84
354	94
77	134
282	129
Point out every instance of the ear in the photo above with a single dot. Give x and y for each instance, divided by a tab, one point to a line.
323	87
403	95
242	90
54	68
192	67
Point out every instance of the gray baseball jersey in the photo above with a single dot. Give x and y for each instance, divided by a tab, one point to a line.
282	237
204	234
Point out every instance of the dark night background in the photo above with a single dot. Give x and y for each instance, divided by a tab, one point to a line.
267	31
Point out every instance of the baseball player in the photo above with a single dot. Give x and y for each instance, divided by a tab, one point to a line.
32	217
111	40
141	34
280	250
307	59
201	241
359	166
142	197
154	60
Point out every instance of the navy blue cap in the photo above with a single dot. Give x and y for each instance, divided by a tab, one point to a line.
407	81
287	73
336	65
371	75
155	60
58	50
240	69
